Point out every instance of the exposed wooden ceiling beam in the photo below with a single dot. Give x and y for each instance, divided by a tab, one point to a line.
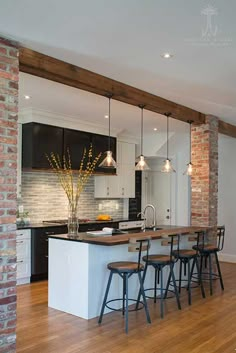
56	70
47	67
227	129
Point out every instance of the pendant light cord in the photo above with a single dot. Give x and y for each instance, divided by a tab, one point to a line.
142	131
190	138
167	147
109	114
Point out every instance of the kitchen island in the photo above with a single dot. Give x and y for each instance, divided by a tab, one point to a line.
78	267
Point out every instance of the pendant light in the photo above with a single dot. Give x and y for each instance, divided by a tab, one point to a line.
141	165
189	169
167	167
108	161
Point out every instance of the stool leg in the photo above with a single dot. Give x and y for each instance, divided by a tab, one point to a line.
124	292
219	271
126	302
200	278
175	287
167	285
201	266
161	290
189	285
144	298
143	279
210	273
105	297
155	286
180	275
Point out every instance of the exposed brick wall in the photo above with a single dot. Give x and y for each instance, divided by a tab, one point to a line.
205	173
9	68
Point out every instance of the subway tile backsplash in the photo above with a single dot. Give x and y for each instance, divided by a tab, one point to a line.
44	199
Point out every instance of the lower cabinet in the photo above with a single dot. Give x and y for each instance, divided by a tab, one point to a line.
39	250
23	253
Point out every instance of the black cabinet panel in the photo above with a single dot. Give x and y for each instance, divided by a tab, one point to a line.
135	203
101	145
76	142
39	140
39	250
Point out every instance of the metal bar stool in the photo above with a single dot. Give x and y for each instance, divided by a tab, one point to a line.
185	257
125	269
206	251
159	262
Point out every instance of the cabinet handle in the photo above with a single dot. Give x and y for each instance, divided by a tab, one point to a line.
20	261
107	190
19	235
46	239
19	241
49	233
123	191
46	255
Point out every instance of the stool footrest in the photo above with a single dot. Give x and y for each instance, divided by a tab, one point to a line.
121	309
158	296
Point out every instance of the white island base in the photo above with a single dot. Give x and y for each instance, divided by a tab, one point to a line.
78	275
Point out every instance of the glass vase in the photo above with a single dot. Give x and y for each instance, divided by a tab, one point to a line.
73	222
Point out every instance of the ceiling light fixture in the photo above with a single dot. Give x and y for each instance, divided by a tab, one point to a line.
167	167
108	161
26	96
155	129
167	55
141	165
189	169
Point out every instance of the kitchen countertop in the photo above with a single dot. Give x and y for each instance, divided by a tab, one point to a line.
110	240
48	225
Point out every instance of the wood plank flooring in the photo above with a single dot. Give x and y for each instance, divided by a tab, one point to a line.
208	326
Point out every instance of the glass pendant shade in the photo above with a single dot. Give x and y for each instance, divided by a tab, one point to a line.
167	167
108	161
142	165
189	169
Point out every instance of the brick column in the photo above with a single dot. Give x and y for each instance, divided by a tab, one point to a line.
9	75
205	176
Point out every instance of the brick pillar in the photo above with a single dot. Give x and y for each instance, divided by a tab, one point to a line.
205	176
9	75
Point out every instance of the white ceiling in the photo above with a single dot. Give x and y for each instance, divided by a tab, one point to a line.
124	39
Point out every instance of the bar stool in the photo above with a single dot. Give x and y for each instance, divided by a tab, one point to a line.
185	257
206	252
125	269
159	262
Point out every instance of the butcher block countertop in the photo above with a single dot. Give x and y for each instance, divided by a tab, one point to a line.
118	239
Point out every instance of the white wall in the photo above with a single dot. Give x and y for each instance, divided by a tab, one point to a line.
227	195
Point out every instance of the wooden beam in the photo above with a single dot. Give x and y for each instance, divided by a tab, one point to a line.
56	70
227	129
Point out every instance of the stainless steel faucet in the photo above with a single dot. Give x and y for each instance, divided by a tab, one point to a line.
153	226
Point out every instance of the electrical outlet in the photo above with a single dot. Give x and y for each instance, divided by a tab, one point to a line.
117	206
100	206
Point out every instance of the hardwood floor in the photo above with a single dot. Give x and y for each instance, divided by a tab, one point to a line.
208	326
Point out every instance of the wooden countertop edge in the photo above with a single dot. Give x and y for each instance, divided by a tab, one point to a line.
124	238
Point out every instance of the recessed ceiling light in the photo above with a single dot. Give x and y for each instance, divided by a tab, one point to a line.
106	116
155	129
27	96
167	55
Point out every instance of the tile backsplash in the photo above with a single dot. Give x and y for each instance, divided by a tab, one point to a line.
44	199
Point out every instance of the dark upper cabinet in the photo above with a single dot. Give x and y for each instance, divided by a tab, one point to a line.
100	145
76	141
39	140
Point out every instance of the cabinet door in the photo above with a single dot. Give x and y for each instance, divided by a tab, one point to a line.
39	140
100	145
76	142
107	187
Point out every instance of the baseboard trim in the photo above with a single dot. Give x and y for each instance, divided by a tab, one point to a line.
227	258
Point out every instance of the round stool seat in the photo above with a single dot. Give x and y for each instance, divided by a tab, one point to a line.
207	248
185	253
125	266
157	258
